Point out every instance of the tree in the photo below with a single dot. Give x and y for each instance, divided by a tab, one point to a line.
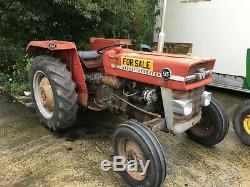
73	20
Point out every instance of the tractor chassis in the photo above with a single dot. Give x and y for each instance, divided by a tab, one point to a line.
154	103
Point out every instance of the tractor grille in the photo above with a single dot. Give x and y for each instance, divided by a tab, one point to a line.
195	96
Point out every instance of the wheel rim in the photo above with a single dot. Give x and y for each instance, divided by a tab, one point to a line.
205	127
131	151
246	124
43	94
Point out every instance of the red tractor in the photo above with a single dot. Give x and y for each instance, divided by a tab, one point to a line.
158	92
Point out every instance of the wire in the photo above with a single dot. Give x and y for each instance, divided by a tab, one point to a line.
129	95
137	108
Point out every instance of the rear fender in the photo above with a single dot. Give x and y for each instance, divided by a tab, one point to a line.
67	52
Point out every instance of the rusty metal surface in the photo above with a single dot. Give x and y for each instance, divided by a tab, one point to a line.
131	151
94	63
46	94
111	81
195	96
156	124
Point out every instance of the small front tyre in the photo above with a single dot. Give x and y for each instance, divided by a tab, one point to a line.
241	122
135	142
213	126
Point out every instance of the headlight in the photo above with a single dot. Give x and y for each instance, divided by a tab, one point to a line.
206	98
182	107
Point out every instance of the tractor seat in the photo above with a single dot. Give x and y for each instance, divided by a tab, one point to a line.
88	55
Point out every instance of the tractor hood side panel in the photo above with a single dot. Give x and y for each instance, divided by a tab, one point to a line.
163	70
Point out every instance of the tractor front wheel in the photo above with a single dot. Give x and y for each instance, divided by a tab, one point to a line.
213	126
53	92
136	143
242	122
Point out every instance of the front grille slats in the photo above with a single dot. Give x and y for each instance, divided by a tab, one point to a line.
195	96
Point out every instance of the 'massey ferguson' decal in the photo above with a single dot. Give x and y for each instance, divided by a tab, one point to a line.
147	72
137	63
145	67
137	70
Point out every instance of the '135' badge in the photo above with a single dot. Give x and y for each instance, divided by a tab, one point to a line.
166	73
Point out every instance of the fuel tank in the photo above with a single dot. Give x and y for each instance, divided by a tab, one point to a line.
178	72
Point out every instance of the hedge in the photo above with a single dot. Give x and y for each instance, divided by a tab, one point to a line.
71	20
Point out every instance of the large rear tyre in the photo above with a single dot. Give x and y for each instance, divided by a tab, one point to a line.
213	126
134	141
241	122
53	92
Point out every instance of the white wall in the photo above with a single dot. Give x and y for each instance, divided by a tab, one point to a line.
218	29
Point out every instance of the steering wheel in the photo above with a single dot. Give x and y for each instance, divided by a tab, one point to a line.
104	49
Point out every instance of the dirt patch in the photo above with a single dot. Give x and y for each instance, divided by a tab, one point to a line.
30	155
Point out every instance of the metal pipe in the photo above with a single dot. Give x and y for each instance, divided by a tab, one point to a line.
161	41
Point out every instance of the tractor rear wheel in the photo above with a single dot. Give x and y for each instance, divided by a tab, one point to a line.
53	92
241	122
135	142
213	126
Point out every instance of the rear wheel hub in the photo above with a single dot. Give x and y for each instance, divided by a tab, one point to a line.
46	94
43	94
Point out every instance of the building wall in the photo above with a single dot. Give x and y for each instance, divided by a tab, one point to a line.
218	29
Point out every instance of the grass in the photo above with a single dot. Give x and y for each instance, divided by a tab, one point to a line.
12	85
17	82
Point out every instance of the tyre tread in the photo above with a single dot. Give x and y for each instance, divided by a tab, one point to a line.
65	94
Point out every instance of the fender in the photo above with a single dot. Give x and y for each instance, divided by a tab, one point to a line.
66	51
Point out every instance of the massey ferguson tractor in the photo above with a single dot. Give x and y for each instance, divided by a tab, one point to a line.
157	91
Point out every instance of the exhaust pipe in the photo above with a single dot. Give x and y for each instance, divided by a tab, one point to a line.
161	41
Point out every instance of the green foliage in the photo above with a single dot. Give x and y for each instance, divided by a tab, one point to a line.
78	20
17	81
10	54
71	20
13	86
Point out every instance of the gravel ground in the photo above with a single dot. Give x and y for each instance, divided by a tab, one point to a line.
30	155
